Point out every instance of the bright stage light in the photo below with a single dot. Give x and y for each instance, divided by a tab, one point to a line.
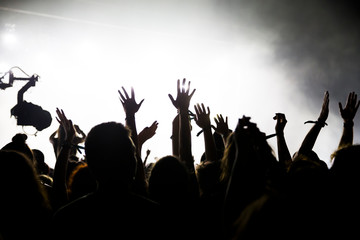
9	39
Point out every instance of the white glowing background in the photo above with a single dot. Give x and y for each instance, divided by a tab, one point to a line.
82	64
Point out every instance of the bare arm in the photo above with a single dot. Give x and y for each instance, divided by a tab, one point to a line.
310	139
182	104
283	151
131	107
202	119
175	135
60	170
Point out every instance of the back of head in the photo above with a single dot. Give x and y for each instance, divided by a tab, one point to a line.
169	180
346	161
18	143
110	153
24	202
346	165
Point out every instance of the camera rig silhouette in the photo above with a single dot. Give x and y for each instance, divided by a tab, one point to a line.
26	113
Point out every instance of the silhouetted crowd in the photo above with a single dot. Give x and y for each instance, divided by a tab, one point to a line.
240	189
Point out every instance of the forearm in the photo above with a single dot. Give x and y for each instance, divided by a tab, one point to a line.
140	173
283	151
310	138
347	134
130	123
59	180
175	136
210	147
185	153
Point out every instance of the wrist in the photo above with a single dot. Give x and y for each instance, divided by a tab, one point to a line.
279	133
348	124
130	117
183	111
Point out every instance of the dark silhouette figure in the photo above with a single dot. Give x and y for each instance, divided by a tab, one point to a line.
24	206
254	173
345	174
113	210
170	185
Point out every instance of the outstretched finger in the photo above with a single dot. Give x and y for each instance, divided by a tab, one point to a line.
203	108
341	107
172	99
178	86
188	89
132	93
126	94
141	102
192	93
122	98
357	105
197	109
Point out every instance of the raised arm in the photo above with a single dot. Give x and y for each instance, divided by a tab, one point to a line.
348	114
202	119
131	107
146	134
310	139
222	127
182	103
59	185
283	151
175	135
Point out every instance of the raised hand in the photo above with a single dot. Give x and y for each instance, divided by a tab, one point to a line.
183	97
66	124
348	113
222	126
129	103
60	170
202	117
147	132
280	123
324	109
310	138
283	151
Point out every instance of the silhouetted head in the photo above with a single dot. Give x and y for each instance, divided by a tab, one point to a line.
81	181
24	202
110	154
169	180
346	164
308	174
18	143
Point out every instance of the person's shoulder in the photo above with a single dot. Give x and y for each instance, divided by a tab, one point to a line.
142	200
82	204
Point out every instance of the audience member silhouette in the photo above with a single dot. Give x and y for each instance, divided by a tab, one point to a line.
113	210
251	173
57	139
24	206
344	171
171	185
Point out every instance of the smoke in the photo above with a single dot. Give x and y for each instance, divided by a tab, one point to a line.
317	42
